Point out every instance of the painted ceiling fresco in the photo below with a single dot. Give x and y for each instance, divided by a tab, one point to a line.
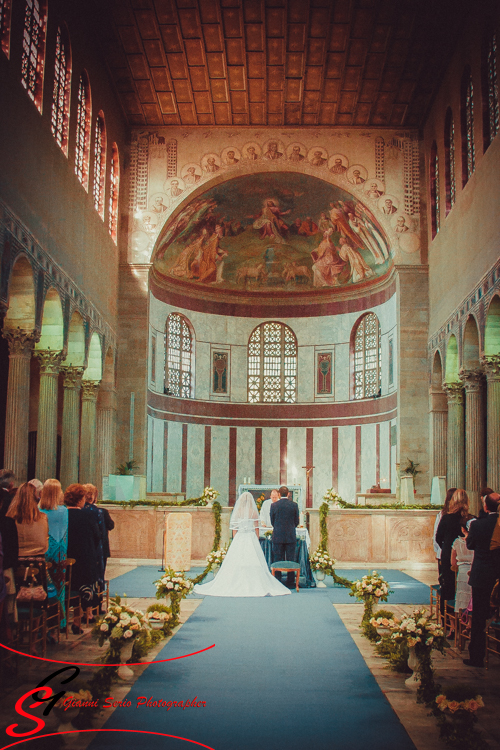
273	231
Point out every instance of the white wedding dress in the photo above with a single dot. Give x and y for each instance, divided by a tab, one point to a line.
244	571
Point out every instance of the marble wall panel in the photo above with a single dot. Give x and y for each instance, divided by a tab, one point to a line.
349	537
385	429
409	538
347	463
195	460
296	458
157	460
219	469
368	456
239	373
149	453
305	374
270	455
322	459
245	454
342	372
174	457
202	370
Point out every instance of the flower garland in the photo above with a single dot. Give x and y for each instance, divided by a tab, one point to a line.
217	511
217	557
332	497
207	497
177	587
321	552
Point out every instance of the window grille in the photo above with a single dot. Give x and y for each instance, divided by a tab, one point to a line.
468	150
434	175
490	90
83	131
61	93
367	358
5	8
272	364
99	164
113	193
449	153
33	53
178	361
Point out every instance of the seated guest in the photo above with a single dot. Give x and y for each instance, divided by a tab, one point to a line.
461	561
448	530
38	487
57	515
7	490
482	577
83	543
106	524
32	525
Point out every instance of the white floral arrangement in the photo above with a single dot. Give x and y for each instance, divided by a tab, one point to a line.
217	557
418	630
332	498
321	560
120	623
373	585
208	496
172	583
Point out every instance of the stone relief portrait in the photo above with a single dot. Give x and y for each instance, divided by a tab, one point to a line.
251	151
273	150
317	156
210	163
296	152
374	188
357	174
388	205
273	231
159	203
191	174
338	164
174	187
230	156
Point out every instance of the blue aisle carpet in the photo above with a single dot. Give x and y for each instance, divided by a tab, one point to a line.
282	676
406	590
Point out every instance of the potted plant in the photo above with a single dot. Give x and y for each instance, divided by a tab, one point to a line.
411	470
174	586
120	626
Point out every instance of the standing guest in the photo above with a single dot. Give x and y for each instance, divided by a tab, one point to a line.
38	487
482	578
444	510
57	515
461	561
32	525
83	544
284	519
106	524
448	530
7	490
482	494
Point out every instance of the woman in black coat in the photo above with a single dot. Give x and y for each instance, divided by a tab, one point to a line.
448	530
83	544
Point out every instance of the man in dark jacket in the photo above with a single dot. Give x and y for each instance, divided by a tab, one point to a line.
284	520
7	490
482	577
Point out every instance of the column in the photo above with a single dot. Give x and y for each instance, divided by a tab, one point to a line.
46	441
491	367
474	436
106	434
21	345
455	474
438	429
88	469
70	442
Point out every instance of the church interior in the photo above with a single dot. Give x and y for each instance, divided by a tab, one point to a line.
247	244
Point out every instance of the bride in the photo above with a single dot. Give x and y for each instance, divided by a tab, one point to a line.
244	571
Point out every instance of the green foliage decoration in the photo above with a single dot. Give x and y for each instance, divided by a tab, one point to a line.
324	509
217	511
126	469
456	716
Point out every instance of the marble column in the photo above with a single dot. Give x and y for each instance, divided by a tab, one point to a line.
46	440
106	434
475	456
455	473
88	468
438	428
491	367
70	442
21	344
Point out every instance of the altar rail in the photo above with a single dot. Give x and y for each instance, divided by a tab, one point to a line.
364	536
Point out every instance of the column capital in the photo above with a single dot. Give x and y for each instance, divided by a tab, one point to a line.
50	361
21	341
491	367
472	379
72	376
454	392
90	389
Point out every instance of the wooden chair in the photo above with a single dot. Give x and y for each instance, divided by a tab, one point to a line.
435	600
32	615
102	599
492	640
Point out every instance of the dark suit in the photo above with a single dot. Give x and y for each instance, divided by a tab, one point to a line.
284	520
482	578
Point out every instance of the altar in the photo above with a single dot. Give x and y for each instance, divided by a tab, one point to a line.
257	490
306	579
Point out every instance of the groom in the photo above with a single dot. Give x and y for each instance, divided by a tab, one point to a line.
284	519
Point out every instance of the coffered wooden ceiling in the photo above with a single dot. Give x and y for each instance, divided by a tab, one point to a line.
279	62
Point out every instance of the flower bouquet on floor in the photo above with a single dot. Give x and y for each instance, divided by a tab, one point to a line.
370	589
121	625
175	586
322	564
456	715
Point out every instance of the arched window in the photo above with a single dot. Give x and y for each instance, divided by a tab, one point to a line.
467	123
62	88
113	192
490	89
83	131
434	186
449	161
179	357
5	6
272	364
33	56
367	356
99	164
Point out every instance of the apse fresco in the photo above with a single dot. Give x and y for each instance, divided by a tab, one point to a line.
281	230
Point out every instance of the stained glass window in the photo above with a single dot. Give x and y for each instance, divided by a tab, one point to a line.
5	6
434	175
83	131
33	54
272	364
468	150
113	193
367	357
99	164
178	361
449	161
490	89
61	93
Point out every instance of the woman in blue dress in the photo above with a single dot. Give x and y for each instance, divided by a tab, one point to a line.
57	515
